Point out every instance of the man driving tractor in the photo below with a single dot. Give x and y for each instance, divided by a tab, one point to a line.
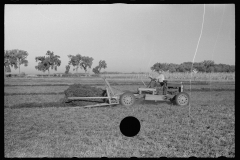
157	81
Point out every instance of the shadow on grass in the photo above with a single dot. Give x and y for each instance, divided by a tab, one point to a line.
52	104
37	105
50	93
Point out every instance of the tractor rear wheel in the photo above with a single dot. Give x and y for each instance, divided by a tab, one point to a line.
182	99
127	99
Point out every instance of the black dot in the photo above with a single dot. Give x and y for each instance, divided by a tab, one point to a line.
130	126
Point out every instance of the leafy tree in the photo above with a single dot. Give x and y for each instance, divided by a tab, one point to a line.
221	67
199	66
50	61
165	66
96	70
155	67
210	69
67	69
75	61
217	68
173	67
232	68
9	61
187	66
225	68
86	62
83	62
101	64
181	68
207	64
21	56
158	67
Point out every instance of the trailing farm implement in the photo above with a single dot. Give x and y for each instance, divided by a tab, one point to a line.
168	92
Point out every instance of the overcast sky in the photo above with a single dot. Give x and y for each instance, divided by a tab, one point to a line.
128	37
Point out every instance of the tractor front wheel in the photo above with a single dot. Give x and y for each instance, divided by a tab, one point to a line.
182	99
127	99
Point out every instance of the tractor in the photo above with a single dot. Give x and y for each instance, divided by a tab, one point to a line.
168	92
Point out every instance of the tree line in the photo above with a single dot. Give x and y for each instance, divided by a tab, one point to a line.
15	58
204	66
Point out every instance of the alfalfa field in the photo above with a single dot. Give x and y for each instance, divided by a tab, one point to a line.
38	124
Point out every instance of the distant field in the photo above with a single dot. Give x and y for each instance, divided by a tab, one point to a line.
170	76
179	76
99	81
39	125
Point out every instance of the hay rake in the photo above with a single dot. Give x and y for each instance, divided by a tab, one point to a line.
111	98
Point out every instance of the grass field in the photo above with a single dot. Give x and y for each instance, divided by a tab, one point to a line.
205	128
35	89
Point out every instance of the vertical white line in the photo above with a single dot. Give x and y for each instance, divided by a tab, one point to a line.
194	58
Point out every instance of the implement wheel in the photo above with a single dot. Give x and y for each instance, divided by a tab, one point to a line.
127	99
182	99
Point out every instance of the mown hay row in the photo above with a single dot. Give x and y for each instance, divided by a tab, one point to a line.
79	90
